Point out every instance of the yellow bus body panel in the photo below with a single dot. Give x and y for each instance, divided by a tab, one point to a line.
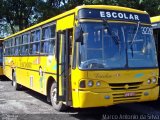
65	23
1	70
113	86
155	19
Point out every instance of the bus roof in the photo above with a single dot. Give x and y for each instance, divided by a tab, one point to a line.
117	8
155	19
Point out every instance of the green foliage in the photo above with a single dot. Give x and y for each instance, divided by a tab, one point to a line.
151	6
19	14
47	9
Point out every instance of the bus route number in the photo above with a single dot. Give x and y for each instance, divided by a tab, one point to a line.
147	30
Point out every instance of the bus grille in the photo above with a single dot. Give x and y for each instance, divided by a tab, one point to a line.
121	98
125	86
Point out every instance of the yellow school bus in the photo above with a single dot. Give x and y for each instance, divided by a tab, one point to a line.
1	57
90	56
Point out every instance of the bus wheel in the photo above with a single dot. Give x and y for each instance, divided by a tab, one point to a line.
14	83
57	105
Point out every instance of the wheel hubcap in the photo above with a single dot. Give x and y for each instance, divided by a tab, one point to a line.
14	83
54	95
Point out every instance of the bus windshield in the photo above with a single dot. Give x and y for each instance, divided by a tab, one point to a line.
135	47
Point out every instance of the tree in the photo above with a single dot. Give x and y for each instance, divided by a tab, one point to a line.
152	7
50	8
17	13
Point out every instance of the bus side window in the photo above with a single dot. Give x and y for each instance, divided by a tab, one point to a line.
25	41
9	47
12	46
4	48
17	46
45	43
48	40
35	42
52	39
19	43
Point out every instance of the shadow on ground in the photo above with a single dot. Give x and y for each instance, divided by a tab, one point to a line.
4	78
99	113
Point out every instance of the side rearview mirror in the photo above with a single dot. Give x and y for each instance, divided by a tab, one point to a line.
78	34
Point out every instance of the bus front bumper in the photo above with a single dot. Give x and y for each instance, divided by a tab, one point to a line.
92	99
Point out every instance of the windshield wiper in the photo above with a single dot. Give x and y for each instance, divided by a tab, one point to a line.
114	37
135	33
132	42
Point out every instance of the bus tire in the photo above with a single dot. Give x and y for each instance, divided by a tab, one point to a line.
57	105
14	83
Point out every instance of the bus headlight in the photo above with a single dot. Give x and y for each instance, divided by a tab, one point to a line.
149	81
90	83
98	83
154	80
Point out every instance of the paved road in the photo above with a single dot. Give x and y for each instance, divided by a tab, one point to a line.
28	105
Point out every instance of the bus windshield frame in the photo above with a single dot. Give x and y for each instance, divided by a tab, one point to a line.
139	53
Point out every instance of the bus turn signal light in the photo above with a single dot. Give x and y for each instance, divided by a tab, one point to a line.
82	84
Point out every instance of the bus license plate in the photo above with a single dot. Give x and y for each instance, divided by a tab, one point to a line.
129	94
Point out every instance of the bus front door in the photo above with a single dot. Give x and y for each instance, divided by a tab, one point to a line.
62	55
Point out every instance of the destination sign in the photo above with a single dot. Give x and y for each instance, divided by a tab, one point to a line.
113	15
